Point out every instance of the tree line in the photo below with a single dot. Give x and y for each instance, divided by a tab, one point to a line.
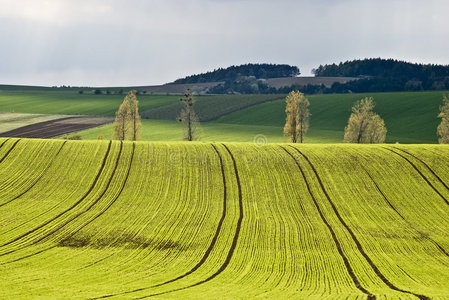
232	73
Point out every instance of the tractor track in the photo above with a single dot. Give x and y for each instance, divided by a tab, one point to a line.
83	212
331	230
421	174
234	241
68	209
37	180
354	238
1	145
422	234
427	166
209	249
9	151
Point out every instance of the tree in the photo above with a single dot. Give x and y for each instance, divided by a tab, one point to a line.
134	117
297	120
127	123
443	128
121	121
365	126
189	118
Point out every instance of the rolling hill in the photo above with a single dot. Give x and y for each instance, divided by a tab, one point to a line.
86	219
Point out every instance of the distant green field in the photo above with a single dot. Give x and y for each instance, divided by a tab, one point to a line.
164	130
410	117
72	103
179	220
210	107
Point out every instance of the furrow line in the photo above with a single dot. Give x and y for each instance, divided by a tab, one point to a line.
209	249
427	166
332	232
9	151
68	209
402	217
107	187
354	238
37	180
420	173
78	214
234	241
1	145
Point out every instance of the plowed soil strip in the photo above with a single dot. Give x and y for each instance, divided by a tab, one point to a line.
9	151
209	249
427	166
331	230
37	180
68	209
422	234
420	173
52	128
354	238
234	241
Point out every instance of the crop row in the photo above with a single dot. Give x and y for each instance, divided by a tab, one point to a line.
139	220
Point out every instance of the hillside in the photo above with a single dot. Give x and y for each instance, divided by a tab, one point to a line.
258	71
199	220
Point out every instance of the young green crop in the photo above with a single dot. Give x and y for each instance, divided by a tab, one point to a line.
85	219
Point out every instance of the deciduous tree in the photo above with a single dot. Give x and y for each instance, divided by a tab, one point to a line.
443	128
135	124
297	119
127	123
365	126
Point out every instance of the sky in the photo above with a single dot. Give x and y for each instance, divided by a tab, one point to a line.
149	42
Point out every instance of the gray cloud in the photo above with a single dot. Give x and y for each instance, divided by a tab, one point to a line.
136	42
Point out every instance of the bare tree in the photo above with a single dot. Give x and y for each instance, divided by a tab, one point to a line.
297	119
189	118
365	126
443	128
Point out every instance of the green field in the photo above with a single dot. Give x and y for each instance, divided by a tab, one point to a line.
89	219
71	103
410	117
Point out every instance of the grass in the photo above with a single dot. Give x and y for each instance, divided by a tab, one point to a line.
87	219
410	117
210	107
71	103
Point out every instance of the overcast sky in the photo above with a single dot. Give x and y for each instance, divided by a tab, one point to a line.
147	42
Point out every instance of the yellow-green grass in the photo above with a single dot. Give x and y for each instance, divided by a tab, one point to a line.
162	130
71	103
88	219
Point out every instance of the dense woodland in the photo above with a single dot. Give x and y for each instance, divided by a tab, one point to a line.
234	72
374	75
385	75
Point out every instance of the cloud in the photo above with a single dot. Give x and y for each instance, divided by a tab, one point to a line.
136	42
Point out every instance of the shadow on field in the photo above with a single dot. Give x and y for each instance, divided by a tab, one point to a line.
118	241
